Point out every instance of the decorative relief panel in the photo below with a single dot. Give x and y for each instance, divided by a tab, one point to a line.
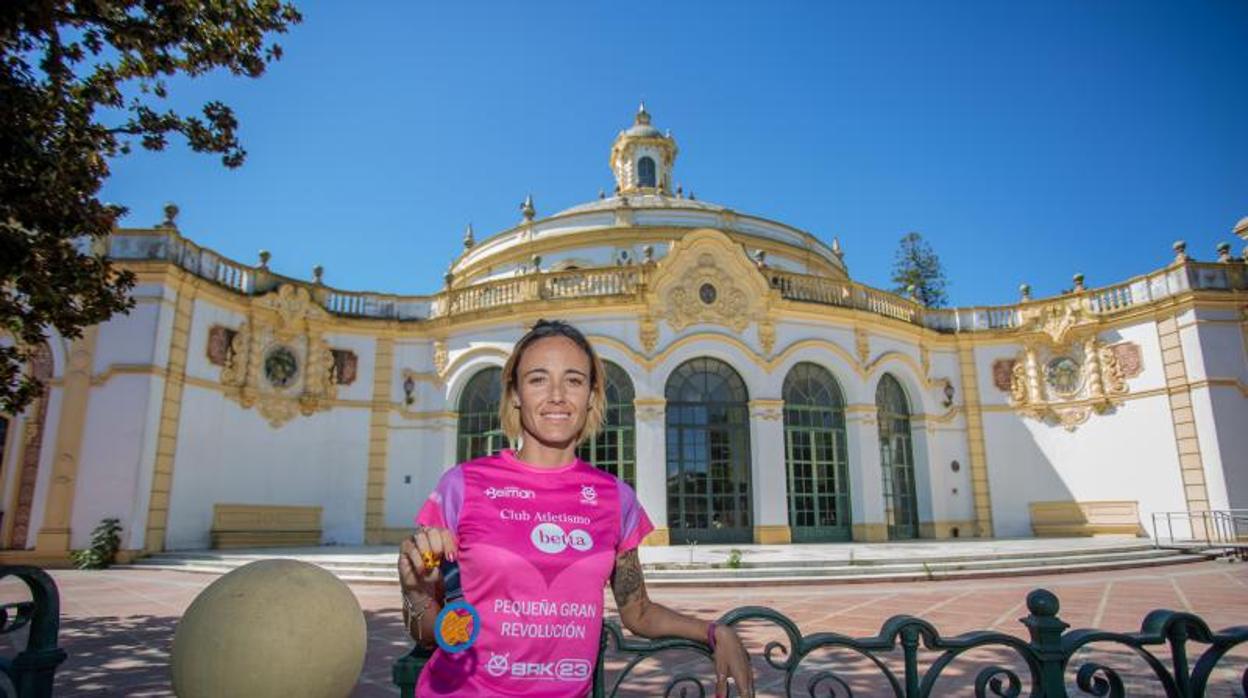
440	357
1064	383
1003	373
219	340
1129	358
862	345
346	366
708	279
1064	374
649	333
1055	320
278	361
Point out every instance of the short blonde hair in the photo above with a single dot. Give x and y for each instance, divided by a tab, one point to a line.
509	416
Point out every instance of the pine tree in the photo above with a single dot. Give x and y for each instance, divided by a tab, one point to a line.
917	272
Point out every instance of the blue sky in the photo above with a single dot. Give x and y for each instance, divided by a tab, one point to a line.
1025	141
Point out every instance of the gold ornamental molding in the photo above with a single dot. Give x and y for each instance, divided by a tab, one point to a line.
767	409
1064	373
649	409
1055	320
706	278
1067	383
440	357
278	361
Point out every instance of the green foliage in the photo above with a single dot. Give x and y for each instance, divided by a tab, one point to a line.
734	559
80	83
105	542
916	266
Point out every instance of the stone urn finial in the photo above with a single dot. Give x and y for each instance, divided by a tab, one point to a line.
171	216
265	256
527	209
1024	292
318	275
1078	281
1224	252
1180	251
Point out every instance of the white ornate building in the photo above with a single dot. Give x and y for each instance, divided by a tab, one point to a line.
758	393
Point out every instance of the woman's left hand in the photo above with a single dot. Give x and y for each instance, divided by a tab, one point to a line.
731	660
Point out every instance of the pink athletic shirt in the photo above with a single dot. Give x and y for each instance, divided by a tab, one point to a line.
536	548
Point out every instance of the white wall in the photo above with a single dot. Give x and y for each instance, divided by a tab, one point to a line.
229	455
122	416
1126	454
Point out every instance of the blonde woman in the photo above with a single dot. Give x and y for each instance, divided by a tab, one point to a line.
537	533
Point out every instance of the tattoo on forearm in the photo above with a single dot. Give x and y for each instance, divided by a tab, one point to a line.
627	582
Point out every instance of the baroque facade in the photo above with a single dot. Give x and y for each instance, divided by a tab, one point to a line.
757	393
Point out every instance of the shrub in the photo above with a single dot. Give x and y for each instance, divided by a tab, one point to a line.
105	541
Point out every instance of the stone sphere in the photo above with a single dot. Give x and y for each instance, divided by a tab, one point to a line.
270	628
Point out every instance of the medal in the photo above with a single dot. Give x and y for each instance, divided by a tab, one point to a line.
458	624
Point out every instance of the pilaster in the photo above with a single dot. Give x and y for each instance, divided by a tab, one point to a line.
651	438
378	443
767	472
1191	463
54	533
977	453
866	490
170	418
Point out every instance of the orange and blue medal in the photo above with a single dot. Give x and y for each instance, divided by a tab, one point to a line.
458	625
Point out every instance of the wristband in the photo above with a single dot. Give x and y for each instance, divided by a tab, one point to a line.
710	634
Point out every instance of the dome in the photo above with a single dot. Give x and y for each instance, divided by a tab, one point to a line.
643	201
642	131
647	212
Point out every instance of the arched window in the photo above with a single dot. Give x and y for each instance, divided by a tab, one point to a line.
896	459
480	432
708	454
614	447
815	454
645	172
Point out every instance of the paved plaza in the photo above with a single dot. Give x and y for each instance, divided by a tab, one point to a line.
118	625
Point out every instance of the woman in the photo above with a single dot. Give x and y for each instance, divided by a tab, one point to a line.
537	533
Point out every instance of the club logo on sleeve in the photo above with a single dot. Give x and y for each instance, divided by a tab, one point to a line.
551	539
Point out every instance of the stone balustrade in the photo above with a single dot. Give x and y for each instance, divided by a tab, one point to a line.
577	285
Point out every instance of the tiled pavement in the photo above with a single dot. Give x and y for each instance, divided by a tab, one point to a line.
118	625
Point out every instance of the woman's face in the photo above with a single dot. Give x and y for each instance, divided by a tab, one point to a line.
552	391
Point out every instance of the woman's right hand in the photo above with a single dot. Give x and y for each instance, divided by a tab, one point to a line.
414	575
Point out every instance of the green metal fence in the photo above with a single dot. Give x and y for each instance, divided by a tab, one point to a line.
1179	649
30	673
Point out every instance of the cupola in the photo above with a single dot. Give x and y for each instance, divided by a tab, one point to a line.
642	158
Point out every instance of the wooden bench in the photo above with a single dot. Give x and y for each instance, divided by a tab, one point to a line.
264	526
1070	518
